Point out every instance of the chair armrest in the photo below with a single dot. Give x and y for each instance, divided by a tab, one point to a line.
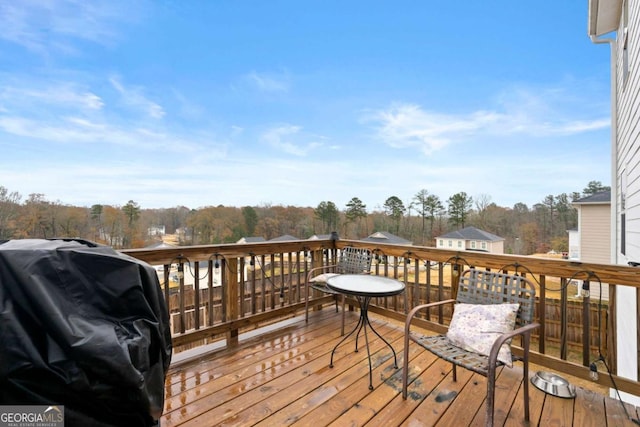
313	271
417	308
495	348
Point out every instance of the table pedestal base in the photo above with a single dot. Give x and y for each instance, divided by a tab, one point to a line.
363	321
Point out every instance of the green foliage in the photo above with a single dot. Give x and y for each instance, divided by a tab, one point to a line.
459	207
327	213
355	209
132	211
595	187
250	220
394	208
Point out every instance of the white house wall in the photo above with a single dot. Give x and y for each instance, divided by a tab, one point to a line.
627	183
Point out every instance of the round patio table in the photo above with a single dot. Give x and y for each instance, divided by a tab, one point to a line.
364	287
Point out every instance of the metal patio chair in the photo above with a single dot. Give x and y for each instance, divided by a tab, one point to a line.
482	287
351	261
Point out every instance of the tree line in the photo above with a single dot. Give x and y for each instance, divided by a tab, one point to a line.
526	230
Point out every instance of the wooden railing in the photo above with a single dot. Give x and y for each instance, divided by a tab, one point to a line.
246	286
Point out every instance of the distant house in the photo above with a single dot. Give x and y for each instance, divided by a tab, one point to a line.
283	238
471	239
386	238
594	227
593	240
156	230
255	239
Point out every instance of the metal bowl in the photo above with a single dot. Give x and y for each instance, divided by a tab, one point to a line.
553	384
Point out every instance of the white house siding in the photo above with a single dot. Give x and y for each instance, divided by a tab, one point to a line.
496	247
626	182
452	244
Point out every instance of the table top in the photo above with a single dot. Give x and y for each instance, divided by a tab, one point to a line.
365	285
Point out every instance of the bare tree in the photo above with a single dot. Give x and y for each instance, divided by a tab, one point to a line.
9	210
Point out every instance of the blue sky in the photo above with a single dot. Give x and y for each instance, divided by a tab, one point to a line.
201	103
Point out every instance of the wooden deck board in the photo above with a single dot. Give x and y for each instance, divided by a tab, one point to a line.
283	378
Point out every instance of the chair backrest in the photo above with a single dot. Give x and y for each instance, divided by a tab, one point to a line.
354	261
487	287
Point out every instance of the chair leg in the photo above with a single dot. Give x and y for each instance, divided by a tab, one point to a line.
405	364
491	390
455	372
525	378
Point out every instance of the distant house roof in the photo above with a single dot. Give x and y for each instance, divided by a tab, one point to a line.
471	233
283	238
386	237
603	197
254	239
160	245
320	237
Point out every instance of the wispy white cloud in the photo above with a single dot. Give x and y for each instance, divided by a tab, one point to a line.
53	26
408	125
73	130
289	139
187	108
404	125
134	97
266	82
60	94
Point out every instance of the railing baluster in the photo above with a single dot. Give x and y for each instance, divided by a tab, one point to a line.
263	282
252	280
586	329
272	271
224	286
196	294
182	296
232	298
210	292
563	318
542	314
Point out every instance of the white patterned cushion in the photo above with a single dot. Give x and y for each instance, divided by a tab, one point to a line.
476	327
322	278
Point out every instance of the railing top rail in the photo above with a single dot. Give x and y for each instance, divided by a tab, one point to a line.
205	252
607	273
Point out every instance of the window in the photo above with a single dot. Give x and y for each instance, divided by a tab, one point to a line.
473	244
450	243
459	243
441	243
483	245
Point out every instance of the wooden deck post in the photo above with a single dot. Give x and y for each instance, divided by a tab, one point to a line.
231	299
455	277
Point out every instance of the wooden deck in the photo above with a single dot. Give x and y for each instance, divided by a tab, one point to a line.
283	378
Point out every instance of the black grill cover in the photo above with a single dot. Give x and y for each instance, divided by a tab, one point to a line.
85	327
